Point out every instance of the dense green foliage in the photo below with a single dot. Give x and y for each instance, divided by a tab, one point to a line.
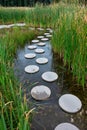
14	112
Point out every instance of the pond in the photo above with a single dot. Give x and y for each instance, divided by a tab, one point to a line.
48	114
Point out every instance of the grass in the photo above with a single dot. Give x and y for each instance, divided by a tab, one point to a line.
14	111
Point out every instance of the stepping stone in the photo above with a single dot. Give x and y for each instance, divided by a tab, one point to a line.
40	29
20	24
46	33
30	55
49	76
49	36
35	41
31	47
70	103
41	44
66	126
40	92
39	37
51	31
44	39
31	69
31	28
39	51
48	29
42	60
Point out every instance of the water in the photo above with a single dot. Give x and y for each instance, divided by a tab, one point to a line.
48	114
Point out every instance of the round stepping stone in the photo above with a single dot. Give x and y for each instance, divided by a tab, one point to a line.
66	126
49	76
40	92
46	33
31	69
30	55
42	60
39	37
51	31
40	29
48	29
70	103
41	44
31	28
35	41
32	47
49	36
44	39
39	51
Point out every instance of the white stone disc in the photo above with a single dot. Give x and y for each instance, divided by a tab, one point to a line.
49	76
32	47
30	55
35	41
44	39
40	92
40	29
41	44
31	69
39	37
49	36
39	51
66	126
46	33
42	60
70	103
48	29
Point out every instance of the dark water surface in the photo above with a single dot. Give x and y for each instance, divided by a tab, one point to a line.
48	114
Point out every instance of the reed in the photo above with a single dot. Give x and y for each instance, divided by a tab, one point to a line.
13	106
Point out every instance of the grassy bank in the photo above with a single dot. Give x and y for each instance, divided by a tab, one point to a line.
14	111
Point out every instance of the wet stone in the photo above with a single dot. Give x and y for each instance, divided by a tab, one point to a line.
40	92
41	44
42	60
39	51
70	103
49	76
31	47
31	69
66	126
35	41
30	55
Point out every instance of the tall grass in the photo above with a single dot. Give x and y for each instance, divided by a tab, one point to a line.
70	41
14	111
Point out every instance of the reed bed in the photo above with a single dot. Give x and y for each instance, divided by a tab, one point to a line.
14	111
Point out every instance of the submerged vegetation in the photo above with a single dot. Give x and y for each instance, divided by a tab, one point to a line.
69	23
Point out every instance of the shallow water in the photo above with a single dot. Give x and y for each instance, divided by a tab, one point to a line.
48	114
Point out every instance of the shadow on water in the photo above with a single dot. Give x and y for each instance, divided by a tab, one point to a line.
48	114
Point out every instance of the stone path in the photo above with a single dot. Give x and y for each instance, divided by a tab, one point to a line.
48	113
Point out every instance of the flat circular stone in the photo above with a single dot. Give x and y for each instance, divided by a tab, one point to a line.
40	29
30	55
42	60
35	41
49	36
66	126
70	103
39	37
44	39
31	69
39	51
46	33
48	29
41	44
49	76
40	92
32	47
